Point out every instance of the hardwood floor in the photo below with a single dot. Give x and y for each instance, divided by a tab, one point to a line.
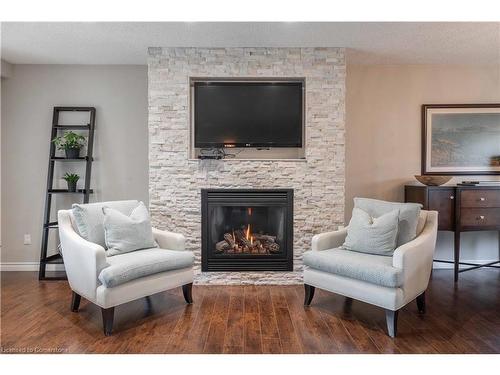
252	319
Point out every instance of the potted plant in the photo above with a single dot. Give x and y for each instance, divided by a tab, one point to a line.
71	143
71	179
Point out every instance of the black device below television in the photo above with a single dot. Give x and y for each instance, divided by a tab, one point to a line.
259	114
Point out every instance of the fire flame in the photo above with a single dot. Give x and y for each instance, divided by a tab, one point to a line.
248	235
247	232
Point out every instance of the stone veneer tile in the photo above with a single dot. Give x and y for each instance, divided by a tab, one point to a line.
175	181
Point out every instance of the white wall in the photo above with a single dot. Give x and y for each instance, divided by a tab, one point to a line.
120	170
383	133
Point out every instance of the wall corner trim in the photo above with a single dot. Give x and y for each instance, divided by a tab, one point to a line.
7	69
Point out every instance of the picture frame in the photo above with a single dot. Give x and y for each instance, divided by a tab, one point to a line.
461	139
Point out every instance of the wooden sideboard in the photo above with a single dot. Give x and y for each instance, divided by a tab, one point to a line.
461	209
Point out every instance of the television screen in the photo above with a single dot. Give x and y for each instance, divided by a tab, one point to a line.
248	114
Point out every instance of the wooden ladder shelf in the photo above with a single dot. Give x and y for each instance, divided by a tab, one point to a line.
48	225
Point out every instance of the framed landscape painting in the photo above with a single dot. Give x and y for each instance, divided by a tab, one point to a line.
460	139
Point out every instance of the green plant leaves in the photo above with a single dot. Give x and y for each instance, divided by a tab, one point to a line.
69	140
71	177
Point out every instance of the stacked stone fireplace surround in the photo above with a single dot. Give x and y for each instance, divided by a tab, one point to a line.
175	180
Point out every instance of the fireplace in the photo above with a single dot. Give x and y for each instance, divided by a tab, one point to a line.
247	229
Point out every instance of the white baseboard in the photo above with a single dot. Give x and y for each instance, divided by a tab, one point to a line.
439	265
28	266
33	266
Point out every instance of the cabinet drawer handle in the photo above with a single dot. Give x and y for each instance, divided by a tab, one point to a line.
481	217
452	197
482	199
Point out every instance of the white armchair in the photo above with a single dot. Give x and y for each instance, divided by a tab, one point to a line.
387	282
84	262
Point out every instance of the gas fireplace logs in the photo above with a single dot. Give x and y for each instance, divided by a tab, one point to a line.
222	246
242	241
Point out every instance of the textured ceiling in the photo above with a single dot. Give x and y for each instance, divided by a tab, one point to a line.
367	43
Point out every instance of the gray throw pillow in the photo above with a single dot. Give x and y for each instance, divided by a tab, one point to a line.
89	218
408	215
126	233
372	235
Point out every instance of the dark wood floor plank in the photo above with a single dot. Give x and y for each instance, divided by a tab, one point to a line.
489	334
233	339
304	331
429	332
450	331
335	311
343	340
360	338
180	333
378	335
199	331
460	318
218	324
268	323
252	334
459	315
408	340
288	337
324	341
271	345
371	319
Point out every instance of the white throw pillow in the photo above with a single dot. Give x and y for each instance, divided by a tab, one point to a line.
126	233
372	235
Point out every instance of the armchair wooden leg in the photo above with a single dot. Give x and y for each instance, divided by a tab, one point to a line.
107	320
309	294
391	318
421	303
187	291
347	304
149	303
75	301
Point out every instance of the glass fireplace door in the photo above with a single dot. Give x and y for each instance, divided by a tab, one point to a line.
246	230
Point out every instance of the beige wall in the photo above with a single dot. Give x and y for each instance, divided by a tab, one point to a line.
382	150
383	128
120	170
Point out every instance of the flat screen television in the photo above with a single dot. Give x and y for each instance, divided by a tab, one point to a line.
248	113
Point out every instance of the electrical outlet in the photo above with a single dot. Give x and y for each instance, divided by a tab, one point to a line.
27	239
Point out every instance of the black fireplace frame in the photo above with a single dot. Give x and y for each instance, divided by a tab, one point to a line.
250	197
